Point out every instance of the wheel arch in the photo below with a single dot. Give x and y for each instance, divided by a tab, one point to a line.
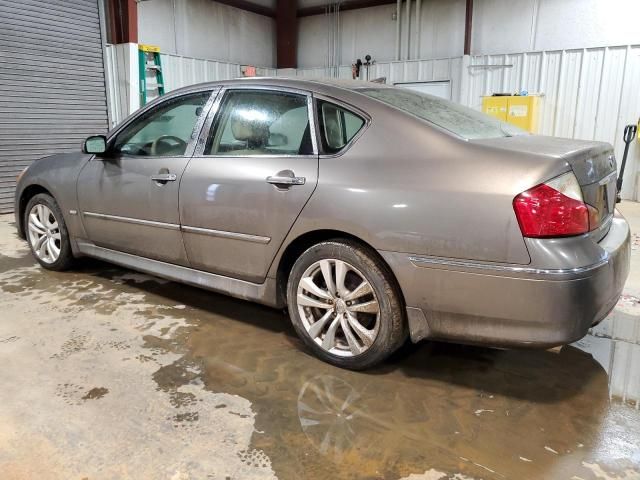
302	242
27	194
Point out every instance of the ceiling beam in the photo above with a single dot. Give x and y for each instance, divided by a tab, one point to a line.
344	6
303	12
249	7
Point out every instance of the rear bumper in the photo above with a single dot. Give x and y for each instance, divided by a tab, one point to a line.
509	305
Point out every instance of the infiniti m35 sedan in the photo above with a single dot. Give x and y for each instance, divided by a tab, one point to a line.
372	212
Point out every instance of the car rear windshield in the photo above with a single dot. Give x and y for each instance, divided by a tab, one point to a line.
462	121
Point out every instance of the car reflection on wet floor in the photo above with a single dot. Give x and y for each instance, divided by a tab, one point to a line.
173	372
485	413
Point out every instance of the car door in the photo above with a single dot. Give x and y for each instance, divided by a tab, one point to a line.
128	197
249	180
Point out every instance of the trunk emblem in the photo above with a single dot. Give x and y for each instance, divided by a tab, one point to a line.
612	161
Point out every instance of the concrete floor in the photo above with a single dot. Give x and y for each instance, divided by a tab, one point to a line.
109	374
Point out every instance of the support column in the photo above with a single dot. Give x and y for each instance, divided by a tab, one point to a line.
286	34
123	21
467	28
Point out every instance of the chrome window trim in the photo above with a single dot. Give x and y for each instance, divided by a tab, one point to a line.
206	127
420	260
224	234
346	106
135	221
256	156
197	128
213	113
312	125
191	146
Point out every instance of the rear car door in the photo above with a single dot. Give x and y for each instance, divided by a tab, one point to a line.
255	169
128	197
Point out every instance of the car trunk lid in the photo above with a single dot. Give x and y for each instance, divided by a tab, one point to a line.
593	164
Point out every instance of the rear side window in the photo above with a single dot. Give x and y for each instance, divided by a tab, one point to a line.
337	126
261	122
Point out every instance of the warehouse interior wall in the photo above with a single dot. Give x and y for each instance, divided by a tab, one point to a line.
373	31
208	30
527	25
499	26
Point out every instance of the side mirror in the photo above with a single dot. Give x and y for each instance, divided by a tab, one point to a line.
95	144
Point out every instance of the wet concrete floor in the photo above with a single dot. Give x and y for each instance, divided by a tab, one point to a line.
110	374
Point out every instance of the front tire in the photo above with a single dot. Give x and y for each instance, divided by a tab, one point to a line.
345	306
47	233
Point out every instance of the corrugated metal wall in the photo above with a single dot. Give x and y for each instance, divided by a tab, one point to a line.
52	87
589	94
182	71
437	69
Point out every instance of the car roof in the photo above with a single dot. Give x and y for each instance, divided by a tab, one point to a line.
320	85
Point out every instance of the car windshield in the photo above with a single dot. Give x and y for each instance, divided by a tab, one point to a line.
462	121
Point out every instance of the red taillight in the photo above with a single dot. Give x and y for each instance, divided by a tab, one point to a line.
554	209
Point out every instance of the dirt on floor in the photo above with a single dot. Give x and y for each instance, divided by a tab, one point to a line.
111	374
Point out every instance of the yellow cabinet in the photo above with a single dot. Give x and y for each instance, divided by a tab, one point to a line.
517	110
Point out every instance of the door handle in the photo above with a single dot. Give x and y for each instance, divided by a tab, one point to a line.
164	177
286	180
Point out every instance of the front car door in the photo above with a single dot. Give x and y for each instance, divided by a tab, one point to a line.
256	167
128	197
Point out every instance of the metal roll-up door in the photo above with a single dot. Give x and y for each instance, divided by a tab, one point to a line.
52	85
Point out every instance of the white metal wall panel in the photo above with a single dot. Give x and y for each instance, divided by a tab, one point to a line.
589	94
396	72
183	71
52	85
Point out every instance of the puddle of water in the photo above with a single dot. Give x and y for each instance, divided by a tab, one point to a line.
615	344
459	410
210	385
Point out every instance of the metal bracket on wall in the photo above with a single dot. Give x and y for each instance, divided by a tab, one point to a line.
506	65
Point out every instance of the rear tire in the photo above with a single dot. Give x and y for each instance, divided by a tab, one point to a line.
47	233
345	306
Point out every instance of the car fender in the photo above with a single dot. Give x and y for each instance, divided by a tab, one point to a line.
57	174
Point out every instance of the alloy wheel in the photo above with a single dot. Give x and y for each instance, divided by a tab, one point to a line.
44	233
338	307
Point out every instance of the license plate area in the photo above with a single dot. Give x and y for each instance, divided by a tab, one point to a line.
605	200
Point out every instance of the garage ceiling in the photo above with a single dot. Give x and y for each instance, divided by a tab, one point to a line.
304	7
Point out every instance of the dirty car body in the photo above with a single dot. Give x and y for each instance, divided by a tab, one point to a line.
443	199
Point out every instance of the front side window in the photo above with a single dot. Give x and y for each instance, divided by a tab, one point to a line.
261	122
164	130
337	126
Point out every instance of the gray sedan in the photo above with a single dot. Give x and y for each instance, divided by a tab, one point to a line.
373	213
